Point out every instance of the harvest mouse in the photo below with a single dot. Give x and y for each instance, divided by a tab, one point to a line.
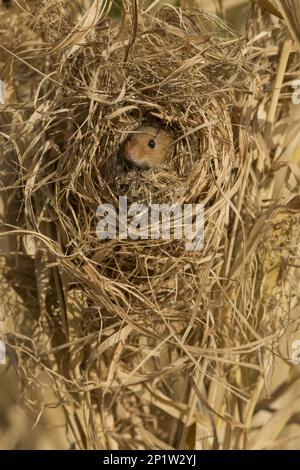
148	146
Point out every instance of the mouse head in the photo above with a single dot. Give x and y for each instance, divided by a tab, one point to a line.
148	146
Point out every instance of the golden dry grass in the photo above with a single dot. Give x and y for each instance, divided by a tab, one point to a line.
146	344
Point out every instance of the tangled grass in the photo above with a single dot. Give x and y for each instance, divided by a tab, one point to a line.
147	344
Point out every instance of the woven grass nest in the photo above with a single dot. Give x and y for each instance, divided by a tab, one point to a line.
146	344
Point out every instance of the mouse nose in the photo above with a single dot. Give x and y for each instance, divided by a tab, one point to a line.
133	155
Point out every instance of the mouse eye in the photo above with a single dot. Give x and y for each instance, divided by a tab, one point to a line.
151	143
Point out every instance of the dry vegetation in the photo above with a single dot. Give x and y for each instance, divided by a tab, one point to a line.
143	343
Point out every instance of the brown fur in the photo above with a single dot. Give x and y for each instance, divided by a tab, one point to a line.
138	152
